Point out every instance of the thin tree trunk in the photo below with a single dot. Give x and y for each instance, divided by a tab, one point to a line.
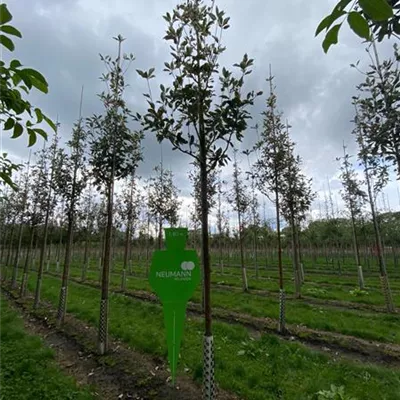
126	253
24	282
103	323
42	254
85	259
296	260
244	273
281	326
4	240
160	233
9	252
17	255
255	251
62	305
382	266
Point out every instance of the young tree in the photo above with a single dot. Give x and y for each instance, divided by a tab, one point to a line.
35	207
86	216
254	207
198	117
5	205
163	202
129	205
371	168
11	211
115	154
381	105
354	198
71	180
297	197
23	198
52	154
241	201
222	220
273	148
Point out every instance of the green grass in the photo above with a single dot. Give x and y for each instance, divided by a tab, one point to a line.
28	369
363	324
256	369
333	289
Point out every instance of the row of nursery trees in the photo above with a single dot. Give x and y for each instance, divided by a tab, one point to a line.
203	113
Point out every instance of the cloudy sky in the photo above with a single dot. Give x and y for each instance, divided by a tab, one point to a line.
63	39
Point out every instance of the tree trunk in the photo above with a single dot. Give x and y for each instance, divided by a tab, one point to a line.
127	251
357	250
148	246
24	282
281	326
85	258
42	255
160	233
4	241
255	251
299	257
296	261
62	305
103	320
59	247
9	252
17	256
378	240
244	273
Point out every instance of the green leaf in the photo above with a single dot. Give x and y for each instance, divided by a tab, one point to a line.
16	79
5	15
378	10
142	73
9	124
341	5
359	25
39	115
15	64
41	132
38	80
32	138
18	129
4	176
25	77
331	37
40	85
10	30
324	24
6	42
336	13
50	123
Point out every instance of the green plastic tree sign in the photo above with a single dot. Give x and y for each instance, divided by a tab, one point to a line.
174	274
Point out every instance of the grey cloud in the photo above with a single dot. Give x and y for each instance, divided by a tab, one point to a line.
62	39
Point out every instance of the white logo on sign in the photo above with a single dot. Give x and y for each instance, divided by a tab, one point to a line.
187	265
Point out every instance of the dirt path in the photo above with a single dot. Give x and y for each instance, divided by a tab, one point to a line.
336	344
121	374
